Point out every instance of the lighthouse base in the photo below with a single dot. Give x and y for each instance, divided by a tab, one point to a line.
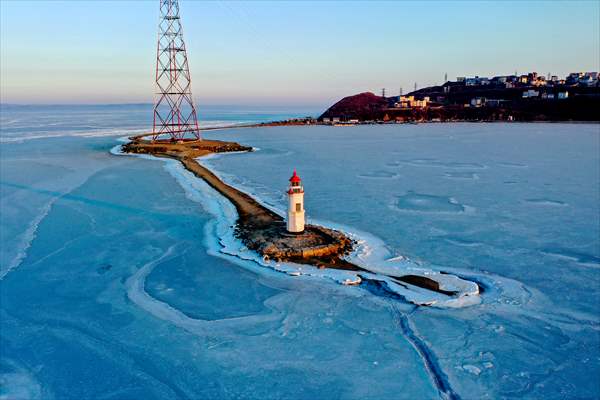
295	222
293	234
314	244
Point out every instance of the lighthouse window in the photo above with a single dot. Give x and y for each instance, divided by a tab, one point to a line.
298	207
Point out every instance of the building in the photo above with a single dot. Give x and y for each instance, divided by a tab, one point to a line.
411	102
528	94
422	103
539	81
495	102
478	102
295	216
588	80
573	78
404	101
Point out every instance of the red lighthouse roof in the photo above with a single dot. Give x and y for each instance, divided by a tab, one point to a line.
295	178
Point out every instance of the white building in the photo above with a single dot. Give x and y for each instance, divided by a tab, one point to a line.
411	102
530	93
478	101
295	216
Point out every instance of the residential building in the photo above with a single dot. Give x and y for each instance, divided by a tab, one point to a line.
478	102
528	94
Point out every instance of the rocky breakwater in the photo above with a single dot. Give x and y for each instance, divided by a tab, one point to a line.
317	245
264	231
259	228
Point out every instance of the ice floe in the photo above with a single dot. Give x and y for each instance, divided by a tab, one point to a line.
427	203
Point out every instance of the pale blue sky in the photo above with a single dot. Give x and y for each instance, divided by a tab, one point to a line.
288	53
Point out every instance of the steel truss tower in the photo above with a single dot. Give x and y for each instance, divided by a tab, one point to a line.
174	112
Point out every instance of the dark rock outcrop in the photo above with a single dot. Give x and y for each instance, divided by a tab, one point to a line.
363	106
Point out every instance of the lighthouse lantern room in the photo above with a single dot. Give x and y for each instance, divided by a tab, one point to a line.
295	217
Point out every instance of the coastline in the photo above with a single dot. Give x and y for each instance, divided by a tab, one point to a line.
263	231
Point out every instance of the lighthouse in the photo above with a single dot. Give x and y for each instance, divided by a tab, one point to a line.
295	217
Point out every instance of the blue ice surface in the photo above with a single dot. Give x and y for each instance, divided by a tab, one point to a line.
28	122
79	225
527	227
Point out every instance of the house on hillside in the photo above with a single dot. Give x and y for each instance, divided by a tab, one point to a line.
529	94
411	102
478	102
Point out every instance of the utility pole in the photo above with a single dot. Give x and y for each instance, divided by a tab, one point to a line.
174	111
383	92
415	86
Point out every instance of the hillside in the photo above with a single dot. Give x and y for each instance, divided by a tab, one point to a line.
455	101
362	106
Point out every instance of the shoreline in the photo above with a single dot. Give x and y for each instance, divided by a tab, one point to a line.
315	122
263	230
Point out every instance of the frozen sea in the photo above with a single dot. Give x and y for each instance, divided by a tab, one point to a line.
118	279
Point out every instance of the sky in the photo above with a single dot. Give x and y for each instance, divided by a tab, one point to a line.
284	52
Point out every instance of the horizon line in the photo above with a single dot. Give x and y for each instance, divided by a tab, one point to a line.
12	104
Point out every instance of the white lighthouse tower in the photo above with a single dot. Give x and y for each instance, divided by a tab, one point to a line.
295	217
